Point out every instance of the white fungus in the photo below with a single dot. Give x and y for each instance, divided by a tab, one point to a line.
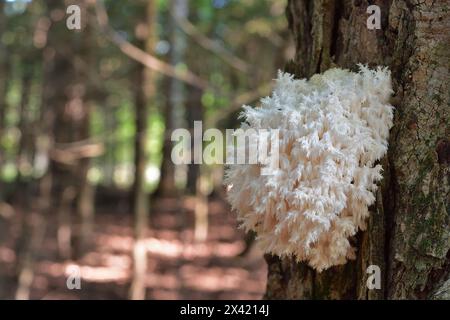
332	130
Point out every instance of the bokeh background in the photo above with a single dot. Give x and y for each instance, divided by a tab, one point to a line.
86	178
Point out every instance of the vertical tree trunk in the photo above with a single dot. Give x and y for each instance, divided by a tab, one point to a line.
408	234
201	206
144	82
140	201
66	71
3	66
175	98
4	71
26	139
110	146
85	210
3	77
194	112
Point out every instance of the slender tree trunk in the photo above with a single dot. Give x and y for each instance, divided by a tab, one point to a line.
26	139
85	209
201	206
166	185
194	112
140	201
408	234
4	72
175	99
143	91
37	227
3	219
110	156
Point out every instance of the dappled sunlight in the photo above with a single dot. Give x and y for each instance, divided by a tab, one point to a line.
116	243
104	274
212	279
52	269
162	281
177	267
93	204
176	249
7	255
164	248
106	259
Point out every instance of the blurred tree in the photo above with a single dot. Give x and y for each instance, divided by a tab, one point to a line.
3	77
175	99
4	74
194	106
31	222
194	112
143	90
26	143
67	67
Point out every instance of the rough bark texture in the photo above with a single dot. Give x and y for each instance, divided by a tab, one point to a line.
408	234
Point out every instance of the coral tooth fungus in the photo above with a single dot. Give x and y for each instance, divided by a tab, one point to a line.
333	128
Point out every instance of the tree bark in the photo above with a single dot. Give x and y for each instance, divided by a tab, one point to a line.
144	90
66	65
194	112
4	75
25	149
140	201
175	99
408	234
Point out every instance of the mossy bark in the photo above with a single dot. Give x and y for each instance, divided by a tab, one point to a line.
408	233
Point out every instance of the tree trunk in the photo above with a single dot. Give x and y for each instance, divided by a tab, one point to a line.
66	70
3	77
201	206
194	112
144	81
140	201
4	74
408	234
26	136
85	209
175	99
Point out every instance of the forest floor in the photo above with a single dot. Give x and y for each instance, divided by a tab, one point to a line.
178	267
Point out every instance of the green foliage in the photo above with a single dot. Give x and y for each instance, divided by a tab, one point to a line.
242	28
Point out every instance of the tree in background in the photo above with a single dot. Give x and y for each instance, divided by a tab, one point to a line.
66	95
3	77
175	98
143	91
3	74
82	122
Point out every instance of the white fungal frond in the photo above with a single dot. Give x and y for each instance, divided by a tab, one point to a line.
333	128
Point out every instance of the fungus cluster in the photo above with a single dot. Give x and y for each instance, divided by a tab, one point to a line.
332	130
